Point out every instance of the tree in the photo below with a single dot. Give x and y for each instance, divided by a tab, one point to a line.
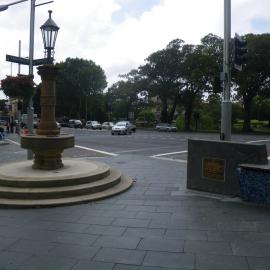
199	71
254	79
162	74
79	83
122	98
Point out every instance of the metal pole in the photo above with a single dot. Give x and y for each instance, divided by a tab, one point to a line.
226	109
30	109
19	65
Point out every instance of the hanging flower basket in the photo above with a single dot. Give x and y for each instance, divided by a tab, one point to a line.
21	86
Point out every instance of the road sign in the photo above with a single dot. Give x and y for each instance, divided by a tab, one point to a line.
25	61
42	61
16	59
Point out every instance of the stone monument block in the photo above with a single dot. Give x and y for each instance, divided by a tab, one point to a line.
212	165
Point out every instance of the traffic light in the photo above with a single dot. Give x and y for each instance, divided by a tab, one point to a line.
239	52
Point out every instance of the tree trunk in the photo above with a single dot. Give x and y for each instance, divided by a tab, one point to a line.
171	114
247	115
164	111
188	114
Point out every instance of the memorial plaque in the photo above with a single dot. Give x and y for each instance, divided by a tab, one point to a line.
213	169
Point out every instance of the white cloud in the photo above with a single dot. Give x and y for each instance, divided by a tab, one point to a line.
87	29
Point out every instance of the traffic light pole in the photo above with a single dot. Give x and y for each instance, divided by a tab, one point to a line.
226	108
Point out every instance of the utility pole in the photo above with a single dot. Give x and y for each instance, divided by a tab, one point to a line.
226	109
30	109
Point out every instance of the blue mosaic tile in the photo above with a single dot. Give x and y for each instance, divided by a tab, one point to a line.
254	185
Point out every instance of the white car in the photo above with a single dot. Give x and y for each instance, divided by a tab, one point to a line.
123	127
93	125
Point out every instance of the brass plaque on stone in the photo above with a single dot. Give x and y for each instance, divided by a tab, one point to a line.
214	169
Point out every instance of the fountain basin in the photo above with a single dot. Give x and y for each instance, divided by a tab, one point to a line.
47	149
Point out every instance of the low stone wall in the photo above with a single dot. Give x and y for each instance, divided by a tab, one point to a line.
212	165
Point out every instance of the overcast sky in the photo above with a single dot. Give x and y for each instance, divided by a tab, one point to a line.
119	34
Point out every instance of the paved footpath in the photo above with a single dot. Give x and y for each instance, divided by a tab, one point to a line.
156	225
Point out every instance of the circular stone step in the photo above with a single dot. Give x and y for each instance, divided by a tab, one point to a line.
74	172
61	192
78	181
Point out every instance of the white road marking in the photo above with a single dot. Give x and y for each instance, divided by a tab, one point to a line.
95	150
172	153
170	159
13	142
259	141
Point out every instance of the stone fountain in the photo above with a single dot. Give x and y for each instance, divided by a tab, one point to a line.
48	180
48	144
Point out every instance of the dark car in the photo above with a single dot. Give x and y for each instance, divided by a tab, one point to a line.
165	127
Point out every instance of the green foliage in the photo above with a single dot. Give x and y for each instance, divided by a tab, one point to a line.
147	115
253	80
79	84
180	122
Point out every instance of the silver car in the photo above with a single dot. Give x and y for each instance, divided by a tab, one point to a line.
165	127
123	127
93	125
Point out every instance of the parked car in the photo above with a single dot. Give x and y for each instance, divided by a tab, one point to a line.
93	125
165	127
3	122
107	125
74	123
122	127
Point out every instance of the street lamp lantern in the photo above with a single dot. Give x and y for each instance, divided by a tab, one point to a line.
49	34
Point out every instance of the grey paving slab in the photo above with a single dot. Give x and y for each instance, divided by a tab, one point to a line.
169	259
123	256
117	242
242	226
89	265
161	244
222	248
252	249
48	262
259	263
132	267
186	234
238	236
5	242
31	246
12	260
105	230
220	262
96	220
144	232
131	222
74	251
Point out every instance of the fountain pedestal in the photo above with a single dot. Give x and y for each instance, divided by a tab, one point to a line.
48	144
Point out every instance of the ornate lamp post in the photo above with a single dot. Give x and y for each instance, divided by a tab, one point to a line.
49	34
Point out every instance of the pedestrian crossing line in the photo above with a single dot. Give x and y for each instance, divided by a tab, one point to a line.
170	159
13	142
95	150
171	153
